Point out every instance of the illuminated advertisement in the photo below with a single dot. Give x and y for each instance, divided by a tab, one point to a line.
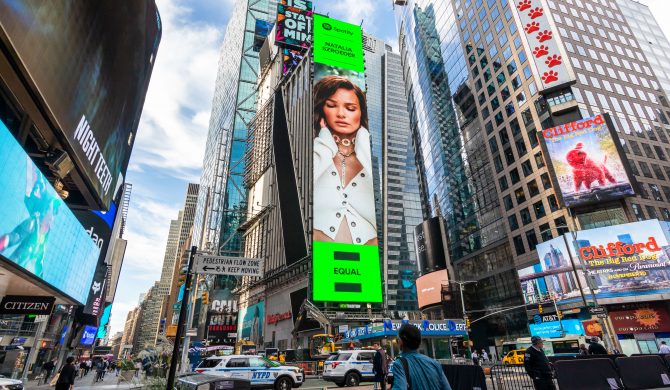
100	56
251	323
88	336
104	320
98	225
429	246
291	59
429	288
640	317
553	277
553	329
626	260
586	161
345	244
38	232
222	316
541	38
294	23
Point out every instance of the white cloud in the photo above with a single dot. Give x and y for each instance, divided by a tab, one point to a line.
352	11
172	130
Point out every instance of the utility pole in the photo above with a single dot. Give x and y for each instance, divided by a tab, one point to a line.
180	321
466	338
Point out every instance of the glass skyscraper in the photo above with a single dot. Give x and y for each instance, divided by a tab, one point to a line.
222	198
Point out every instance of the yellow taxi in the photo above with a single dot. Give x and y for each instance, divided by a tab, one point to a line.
514	357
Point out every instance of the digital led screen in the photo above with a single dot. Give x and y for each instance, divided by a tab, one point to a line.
429	288
100	56
104	320
88	336
38	232
345	244
586	161
251	323
294	23
552	329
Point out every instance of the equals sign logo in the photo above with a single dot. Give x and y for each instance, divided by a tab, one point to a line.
348	286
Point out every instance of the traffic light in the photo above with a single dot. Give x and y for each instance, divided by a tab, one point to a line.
182	279
205	298
539	309
560	314
467	323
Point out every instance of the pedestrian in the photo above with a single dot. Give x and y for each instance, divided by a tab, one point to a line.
47	368
138	367
89	366
475	357
664	348
595	348
380	367
100	371
583	351
412	370
484	355
67	375
537	365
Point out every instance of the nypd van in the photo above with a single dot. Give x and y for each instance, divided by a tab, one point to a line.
349	368
261	372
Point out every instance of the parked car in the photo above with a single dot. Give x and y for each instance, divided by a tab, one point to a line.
261	372
514	357
10	384
349	368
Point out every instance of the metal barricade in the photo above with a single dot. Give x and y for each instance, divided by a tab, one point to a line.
510	378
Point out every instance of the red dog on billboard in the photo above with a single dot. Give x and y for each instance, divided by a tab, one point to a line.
585	170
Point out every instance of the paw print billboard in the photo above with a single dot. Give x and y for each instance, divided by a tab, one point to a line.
542	43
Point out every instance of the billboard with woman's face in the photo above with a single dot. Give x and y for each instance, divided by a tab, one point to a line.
345	244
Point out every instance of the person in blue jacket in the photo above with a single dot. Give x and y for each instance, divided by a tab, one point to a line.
413	370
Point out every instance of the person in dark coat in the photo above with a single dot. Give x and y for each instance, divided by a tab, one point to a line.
595	348
380	366
537	365
67	375
48	367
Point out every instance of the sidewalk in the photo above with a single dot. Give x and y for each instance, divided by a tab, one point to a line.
86	383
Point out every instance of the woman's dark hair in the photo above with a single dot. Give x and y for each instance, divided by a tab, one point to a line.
69	360
326	87
410	336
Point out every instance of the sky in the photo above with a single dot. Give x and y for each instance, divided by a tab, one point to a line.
170	141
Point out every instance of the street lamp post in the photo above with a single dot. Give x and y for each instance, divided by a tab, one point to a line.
466	338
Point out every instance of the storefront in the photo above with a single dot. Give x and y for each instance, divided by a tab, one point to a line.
438	337
640	326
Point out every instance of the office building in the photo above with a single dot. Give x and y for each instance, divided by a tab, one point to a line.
477	103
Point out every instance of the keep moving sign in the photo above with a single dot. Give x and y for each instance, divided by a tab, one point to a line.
228	265
345	265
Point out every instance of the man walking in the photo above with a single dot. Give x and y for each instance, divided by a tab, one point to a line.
48	368
380	367
537	365
67	375
595	348
413	370
664	348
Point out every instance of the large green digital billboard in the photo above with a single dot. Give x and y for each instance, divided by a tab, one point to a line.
345	265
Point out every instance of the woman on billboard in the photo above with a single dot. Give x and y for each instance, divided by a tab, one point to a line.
344	203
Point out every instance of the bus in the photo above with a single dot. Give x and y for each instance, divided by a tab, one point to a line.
566	345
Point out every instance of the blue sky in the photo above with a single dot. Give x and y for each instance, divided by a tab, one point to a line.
170	141
171	137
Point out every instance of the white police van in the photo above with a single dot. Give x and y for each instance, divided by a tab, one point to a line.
349	368
261	372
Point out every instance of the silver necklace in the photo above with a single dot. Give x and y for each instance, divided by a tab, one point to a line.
344	166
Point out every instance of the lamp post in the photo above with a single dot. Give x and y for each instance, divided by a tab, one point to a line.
466	338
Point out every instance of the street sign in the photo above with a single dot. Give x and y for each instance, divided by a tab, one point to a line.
228	265
601	315
597	310
193	332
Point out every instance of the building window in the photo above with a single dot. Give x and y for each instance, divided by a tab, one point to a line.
545	232
553	204
514	175
513	223
561	225
539	209
539	161
666	214
518	245
509	204
546	182
509	156
532	239
525	216
651	212
658	171
645	169
656	193
503	183
533	189
637	210
527	168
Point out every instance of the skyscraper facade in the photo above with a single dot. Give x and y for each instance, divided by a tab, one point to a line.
477	104
222	200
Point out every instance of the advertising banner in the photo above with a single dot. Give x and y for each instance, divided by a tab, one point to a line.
345	248
429	288
586	161
429	245
294	24
251	323
541	38
88	336
38	232
98	225
104	320
641	317
222	316
553	277
552	329
22	304
626	260
100	56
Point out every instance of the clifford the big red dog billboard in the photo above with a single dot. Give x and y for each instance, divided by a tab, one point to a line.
587	162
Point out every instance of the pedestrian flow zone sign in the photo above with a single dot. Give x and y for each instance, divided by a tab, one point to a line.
228	265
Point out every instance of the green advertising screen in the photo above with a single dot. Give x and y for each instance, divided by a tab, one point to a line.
345	251
338	43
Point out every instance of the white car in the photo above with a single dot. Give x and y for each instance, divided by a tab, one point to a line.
349	368
10	384
260	371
